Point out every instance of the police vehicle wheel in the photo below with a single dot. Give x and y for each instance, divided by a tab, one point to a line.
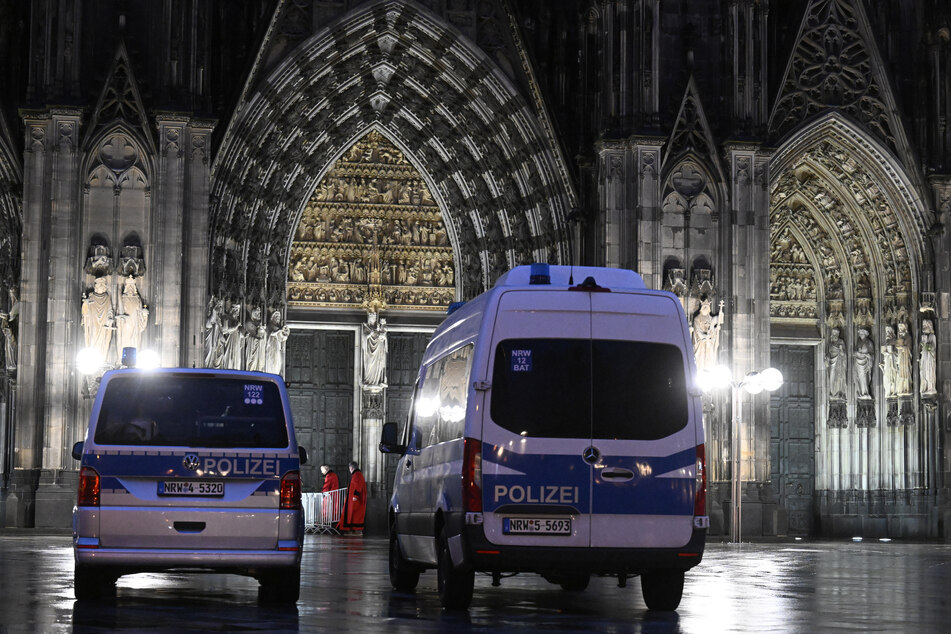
282	586
662	589
455	586
404	576
92	584
574	583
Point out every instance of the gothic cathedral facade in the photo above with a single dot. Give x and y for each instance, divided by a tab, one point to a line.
304	186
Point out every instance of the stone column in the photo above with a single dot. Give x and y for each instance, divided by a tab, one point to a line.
941	414
616	201
748	246
195	247
167	238
645	163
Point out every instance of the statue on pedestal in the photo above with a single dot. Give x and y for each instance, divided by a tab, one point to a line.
98	318
132	319
374	351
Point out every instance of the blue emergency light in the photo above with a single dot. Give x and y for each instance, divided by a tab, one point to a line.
540	274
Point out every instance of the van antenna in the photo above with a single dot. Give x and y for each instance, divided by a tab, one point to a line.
571	275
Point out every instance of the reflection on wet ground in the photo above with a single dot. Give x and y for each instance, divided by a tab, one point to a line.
776	587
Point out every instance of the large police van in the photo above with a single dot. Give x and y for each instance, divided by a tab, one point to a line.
555	428
193	470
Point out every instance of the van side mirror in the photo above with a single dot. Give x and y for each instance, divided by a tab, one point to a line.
303	455
78	450
389	440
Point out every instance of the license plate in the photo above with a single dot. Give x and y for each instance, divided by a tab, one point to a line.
535	526
190	487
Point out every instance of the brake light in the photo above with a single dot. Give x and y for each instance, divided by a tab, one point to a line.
88	494
291	491
472	475
700	500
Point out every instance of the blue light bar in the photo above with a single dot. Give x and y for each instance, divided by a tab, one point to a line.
539	274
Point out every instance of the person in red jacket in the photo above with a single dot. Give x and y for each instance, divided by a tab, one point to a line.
355	508
329	501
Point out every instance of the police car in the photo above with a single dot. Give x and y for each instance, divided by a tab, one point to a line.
192	470
555	429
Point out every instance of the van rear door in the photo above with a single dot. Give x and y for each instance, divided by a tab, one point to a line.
536	485
644	424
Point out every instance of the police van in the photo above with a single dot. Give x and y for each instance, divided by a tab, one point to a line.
556	429
192	470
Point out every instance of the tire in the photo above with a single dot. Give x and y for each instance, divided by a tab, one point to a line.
455	586
662	589
574	583
92	585
404	576
280	587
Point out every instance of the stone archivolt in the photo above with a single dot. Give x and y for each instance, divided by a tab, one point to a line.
371	228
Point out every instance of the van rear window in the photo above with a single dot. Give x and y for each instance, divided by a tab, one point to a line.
580	388
191	411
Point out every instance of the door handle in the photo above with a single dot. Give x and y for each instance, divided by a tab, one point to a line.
613	474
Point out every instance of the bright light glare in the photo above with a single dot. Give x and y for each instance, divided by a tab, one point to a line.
452	413
147	360
771	378
88	361
753	383
426	407
705	381
722	376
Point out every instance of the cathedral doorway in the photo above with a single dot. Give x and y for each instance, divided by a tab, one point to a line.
793	437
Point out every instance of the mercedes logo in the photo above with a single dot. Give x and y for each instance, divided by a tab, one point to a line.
591	455
191	462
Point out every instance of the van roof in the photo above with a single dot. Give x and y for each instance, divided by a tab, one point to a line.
565	276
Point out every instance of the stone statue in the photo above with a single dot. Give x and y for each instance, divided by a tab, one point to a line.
9	335
132	318
903	357
256	341
277	337
214	345
927	362
374	351
98	318
705	332
889	364
864	360
836	361
233	338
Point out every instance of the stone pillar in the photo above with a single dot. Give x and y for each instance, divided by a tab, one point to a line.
195	247
941	415
748	247
167	238
616	188
645	163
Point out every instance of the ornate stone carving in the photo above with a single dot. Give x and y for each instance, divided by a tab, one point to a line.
927	362
98	260
372	228
863	359
132	318
374	347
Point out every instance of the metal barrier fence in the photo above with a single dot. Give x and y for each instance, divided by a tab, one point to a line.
322	511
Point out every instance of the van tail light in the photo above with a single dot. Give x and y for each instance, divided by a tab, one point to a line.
88	494
291	491
700	499
472	475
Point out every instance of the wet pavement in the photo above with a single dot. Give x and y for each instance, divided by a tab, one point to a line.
775	587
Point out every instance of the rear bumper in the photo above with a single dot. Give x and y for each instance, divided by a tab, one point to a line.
485	556
130	560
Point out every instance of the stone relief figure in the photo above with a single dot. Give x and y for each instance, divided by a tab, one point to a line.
864	361
233	338
889	364
132	318
214	345
705	332
9	335
903	357
926	360
836	361
98	318
276	338
256	343
374	351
